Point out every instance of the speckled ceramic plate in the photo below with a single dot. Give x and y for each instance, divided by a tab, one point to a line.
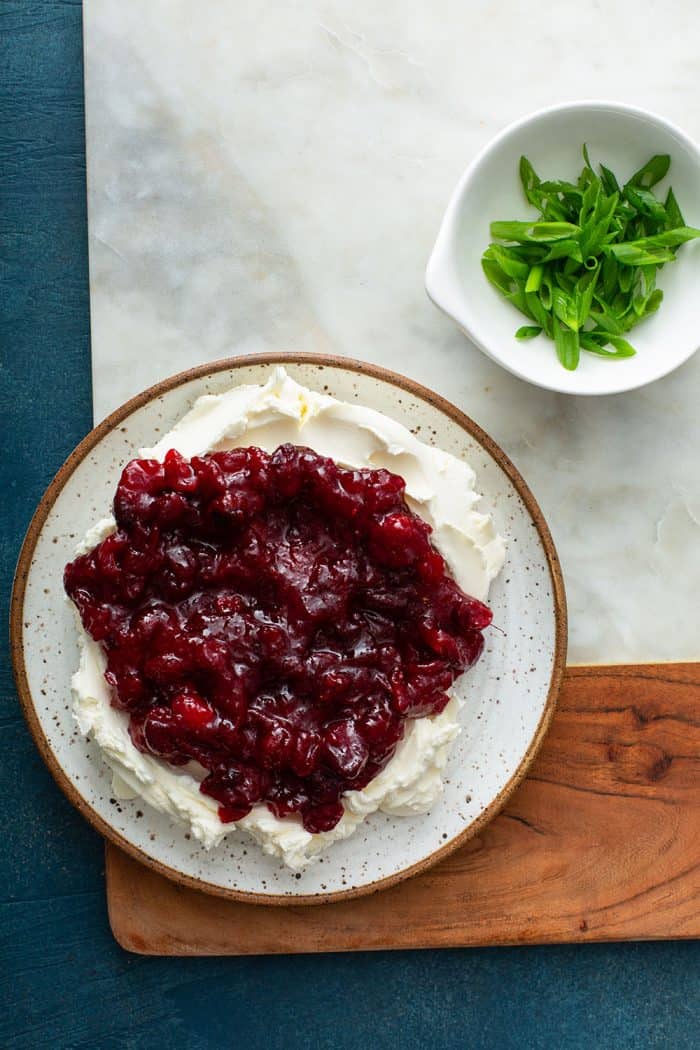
510	694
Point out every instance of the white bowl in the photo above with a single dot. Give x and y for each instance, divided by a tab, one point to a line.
623	138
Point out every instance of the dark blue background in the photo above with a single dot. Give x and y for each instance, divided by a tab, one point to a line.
65	983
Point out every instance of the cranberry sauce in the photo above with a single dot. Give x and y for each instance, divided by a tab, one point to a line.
275	618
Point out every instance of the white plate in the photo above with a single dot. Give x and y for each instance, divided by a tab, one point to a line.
623	138
510	694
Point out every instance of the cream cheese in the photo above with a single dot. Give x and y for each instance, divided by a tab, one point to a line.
439	487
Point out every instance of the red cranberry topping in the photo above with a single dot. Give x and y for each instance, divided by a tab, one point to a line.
276	619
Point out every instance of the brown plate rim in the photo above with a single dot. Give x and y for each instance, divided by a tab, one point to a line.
321	361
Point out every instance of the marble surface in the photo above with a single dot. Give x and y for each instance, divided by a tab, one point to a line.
273	176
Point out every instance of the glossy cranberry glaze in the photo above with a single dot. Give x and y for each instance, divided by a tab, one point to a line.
275	618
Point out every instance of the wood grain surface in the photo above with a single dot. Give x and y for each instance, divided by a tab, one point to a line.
601	842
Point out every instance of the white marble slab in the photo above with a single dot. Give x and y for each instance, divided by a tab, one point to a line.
273	175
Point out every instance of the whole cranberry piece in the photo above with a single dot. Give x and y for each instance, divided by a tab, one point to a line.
306	755
276	747
160	732
191	711
323	817
236	787
345	748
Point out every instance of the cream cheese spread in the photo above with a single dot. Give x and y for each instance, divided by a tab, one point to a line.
439	487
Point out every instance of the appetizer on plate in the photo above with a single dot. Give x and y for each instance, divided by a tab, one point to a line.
273	618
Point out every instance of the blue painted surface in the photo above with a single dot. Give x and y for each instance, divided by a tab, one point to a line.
63	980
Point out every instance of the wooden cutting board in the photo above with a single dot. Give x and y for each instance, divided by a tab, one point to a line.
600	843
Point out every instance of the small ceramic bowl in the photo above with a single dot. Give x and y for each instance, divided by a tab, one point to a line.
623	138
